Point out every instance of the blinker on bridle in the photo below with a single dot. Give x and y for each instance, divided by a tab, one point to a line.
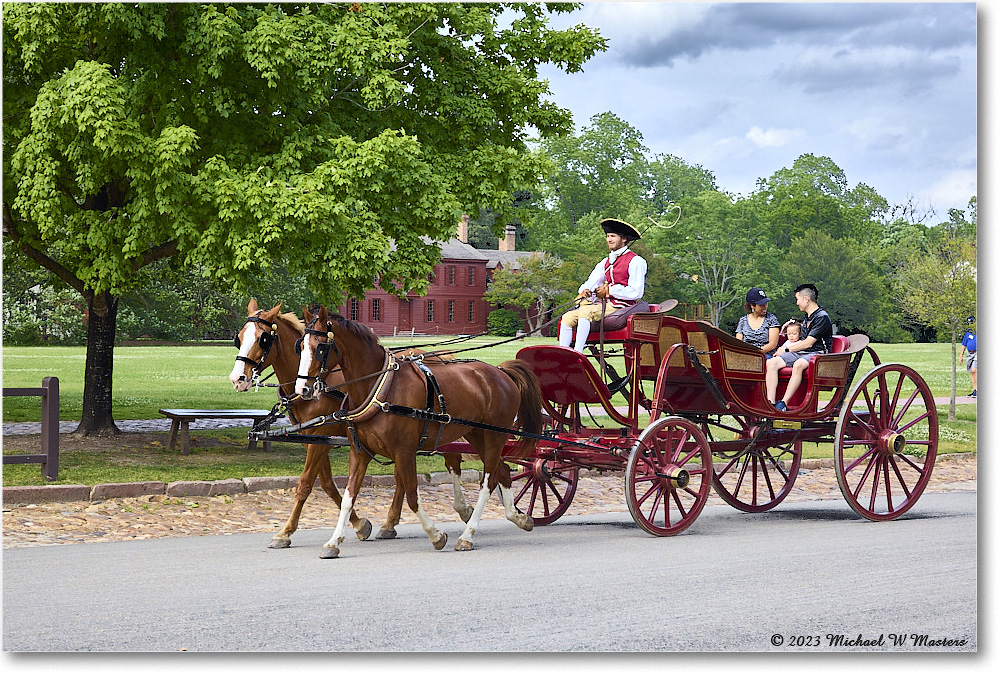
322	349
265	342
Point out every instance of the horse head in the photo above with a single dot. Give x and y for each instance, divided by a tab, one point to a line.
314	350
256	342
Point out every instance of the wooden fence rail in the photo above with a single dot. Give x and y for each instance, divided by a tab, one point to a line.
49	459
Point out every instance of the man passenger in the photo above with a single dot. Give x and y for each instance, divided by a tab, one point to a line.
817	338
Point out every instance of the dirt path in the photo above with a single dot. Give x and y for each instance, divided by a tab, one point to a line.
265	512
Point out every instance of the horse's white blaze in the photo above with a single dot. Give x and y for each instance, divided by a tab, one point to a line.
239	368
346	504
302	387
477	513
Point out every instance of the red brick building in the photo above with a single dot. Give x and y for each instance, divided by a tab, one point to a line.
453	304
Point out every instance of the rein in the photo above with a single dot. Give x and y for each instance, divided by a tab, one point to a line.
505	341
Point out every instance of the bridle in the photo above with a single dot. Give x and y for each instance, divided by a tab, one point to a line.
266	340
323	350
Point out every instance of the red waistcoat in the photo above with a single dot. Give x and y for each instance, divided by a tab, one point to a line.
617	273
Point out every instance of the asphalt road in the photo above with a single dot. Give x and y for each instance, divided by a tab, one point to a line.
806	577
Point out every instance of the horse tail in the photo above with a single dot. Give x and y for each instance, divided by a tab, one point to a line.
529	414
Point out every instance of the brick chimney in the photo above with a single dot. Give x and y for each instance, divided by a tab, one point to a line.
509	243
463	229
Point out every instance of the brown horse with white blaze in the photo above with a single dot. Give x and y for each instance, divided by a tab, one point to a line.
473	391
267	339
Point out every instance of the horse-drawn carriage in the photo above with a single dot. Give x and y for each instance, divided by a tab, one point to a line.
709	422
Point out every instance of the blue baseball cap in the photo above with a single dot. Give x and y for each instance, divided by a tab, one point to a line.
756	296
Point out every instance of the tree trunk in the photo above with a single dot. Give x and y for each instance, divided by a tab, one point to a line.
97	417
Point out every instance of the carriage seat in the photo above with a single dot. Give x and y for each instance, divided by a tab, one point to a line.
611	335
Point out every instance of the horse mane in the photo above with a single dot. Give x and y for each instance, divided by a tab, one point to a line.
357	329
292	318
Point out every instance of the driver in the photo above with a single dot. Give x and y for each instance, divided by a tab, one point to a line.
620	278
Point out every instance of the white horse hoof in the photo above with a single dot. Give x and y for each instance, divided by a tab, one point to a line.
329	552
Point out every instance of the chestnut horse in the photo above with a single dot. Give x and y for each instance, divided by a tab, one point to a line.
471	390
266	340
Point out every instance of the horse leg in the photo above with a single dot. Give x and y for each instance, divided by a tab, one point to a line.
388	530
362	526
356	474
406	480
465	541
454	464
283	539
502	481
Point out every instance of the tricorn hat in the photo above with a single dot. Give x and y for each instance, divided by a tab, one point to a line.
613	225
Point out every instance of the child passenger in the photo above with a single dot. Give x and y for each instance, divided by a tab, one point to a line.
793	331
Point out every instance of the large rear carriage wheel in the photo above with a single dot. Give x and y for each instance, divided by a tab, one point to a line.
760	475
886	442
668	476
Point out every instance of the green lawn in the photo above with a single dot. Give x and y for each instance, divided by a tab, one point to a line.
149	378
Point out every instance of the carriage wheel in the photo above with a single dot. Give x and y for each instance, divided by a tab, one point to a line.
886	442
758	477
668	476
548	489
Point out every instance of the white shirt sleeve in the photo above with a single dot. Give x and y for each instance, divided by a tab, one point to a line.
636	281
596	278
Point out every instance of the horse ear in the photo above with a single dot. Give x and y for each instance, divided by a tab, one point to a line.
252	307
278	308
305	312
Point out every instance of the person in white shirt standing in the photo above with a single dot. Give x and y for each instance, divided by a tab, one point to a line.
620	279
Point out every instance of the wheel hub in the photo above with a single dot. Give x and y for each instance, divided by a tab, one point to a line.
892	443
677	477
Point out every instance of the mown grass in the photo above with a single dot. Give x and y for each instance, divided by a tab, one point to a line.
215	455
195	376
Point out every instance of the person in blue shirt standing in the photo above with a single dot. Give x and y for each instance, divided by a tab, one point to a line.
969	352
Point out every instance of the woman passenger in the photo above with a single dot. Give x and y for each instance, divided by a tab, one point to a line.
758	327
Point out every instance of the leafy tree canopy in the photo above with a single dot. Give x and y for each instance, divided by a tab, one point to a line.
333	137
234	134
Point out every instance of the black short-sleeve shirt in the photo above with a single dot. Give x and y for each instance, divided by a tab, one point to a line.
818	325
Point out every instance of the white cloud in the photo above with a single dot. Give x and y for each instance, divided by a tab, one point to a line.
953	190
772	138
887	91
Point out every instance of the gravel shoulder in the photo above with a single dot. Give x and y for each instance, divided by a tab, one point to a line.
159	516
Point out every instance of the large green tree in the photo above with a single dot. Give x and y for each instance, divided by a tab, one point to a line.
598	170
849	288
332	136
721	246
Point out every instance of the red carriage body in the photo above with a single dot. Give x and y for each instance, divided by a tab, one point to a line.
707	423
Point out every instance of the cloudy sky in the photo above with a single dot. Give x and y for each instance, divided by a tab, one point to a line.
888	91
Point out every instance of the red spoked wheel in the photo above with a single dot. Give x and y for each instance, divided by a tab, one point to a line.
759	476
886	442
668	476
543	487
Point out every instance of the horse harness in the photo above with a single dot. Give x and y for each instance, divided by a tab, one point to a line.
373	404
